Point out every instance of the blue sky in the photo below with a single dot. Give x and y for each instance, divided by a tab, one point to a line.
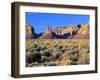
39	20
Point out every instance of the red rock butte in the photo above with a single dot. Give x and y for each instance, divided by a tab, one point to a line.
75	32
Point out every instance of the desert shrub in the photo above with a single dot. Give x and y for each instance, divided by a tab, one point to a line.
62	50
74	57
59	47
43	58
48	44
32	57
47	53
37	55
47	59
42	48
35	45
85	58
29	58
33	49
41	51
38	48
57	54
28	52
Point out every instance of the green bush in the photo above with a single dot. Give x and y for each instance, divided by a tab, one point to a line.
33	49
59	47
47	53
29	58
32	57
74	57
35	45
57	54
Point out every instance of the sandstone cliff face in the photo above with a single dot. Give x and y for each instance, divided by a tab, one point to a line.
29	34
84	29
76	32
48	34
83	32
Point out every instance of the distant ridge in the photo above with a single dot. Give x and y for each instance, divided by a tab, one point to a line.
80	31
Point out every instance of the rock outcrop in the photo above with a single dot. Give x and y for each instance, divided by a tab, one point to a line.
83	32
49	34
30	34
77	32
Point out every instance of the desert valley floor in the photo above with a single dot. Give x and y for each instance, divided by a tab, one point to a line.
57	52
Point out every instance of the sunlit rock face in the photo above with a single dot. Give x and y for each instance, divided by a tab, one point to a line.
80	31
30	34
83	32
